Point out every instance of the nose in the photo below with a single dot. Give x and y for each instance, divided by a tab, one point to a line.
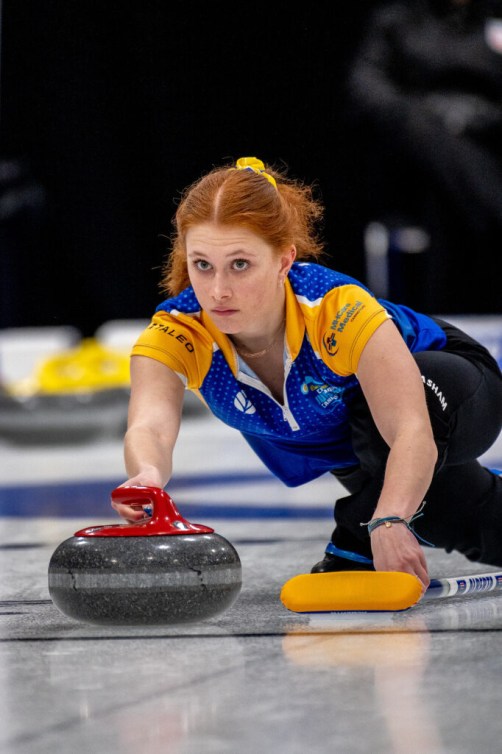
220	289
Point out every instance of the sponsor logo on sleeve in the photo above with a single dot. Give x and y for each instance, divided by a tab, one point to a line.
346	314
173	333
330	343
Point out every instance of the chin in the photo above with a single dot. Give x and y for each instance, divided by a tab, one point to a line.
226	326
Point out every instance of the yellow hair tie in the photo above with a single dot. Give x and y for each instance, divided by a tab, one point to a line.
257	166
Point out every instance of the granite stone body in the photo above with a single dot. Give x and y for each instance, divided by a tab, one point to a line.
144	580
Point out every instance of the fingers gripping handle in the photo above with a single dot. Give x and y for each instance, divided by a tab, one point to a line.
165	520
161	503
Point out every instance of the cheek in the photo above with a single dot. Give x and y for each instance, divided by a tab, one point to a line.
197	283
268	280
260	289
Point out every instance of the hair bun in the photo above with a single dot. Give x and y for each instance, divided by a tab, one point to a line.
256	165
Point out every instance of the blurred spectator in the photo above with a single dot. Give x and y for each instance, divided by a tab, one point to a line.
425	114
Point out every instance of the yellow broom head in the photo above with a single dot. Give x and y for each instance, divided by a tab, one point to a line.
351	591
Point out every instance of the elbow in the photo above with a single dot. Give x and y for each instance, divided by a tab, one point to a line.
433	453
428	450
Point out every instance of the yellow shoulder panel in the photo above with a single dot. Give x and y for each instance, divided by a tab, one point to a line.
179	342
341	324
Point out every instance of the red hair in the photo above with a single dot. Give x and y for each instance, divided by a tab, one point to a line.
281	216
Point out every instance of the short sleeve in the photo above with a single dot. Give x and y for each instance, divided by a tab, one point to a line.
347	317
174	343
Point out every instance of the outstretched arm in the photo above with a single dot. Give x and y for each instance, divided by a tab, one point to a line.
393	387
153	424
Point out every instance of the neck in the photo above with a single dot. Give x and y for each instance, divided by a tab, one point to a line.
250	351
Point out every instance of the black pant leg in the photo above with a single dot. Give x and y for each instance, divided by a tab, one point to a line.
463	512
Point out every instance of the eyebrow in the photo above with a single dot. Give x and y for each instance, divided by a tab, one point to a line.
236	253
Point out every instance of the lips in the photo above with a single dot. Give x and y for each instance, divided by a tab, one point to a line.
223	312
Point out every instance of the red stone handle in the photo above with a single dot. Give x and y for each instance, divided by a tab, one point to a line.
165	520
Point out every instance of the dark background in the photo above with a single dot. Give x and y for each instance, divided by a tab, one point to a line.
109	109
112	108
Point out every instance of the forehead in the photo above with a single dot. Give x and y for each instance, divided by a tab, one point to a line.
207	237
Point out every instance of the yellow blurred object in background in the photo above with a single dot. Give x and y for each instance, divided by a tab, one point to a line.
89	367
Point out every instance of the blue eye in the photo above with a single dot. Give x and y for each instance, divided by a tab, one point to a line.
241	264
202	265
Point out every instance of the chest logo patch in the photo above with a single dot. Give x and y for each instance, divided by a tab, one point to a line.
242	403
324	394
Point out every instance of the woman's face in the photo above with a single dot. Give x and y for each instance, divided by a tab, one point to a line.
237	277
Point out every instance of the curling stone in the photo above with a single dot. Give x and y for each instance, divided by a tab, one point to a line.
72	396
163	570
63	418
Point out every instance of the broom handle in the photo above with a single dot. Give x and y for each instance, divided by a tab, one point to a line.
459	585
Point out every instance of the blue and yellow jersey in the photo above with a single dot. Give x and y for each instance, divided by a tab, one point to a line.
329	319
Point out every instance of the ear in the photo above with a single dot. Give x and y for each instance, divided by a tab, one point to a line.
287	258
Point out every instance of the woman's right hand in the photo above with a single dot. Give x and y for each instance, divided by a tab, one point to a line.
134	513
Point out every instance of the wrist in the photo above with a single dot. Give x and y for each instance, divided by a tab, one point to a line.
386	521
389	521
148	476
